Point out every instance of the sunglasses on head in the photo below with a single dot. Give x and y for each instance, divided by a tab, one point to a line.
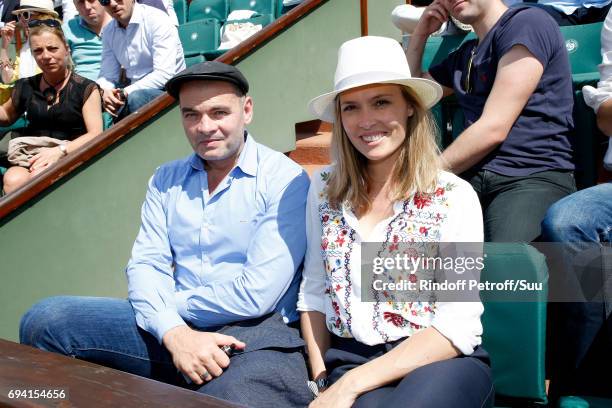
25	15
48	22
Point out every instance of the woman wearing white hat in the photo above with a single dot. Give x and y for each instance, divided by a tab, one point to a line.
386	185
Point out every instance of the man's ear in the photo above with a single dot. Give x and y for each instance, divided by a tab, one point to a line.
248	109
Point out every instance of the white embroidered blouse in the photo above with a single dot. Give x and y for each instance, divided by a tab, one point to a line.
331	282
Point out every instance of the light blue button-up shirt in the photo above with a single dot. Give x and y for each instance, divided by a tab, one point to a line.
149	49
569	6
212	258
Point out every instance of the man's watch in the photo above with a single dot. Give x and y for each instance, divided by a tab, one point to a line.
63	149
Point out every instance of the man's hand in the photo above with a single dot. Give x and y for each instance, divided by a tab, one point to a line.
432	19
112	101
197	354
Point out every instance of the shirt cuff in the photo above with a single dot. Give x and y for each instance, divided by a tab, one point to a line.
105	83
594	97
309	302
131	88
465	333
163	321
180	300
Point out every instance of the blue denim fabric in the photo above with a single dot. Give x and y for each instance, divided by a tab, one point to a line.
100	330
141	97
581	331
585	216
582	15
271	372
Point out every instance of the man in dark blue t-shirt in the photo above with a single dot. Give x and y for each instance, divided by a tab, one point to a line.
514	85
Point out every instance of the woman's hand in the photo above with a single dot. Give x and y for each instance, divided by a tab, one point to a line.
340	395
8	33
45	158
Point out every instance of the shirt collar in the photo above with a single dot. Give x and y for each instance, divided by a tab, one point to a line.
137	15
83	24
247	161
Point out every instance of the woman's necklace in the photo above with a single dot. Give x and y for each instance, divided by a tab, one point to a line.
50	93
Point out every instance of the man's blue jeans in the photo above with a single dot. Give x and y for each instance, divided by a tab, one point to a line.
271	372
100	330
583	330
585	216
137	99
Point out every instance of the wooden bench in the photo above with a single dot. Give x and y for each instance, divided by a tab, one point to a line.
28	371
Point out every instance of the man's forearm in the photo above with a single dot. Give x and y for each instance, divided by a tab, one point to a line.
473	145
414	54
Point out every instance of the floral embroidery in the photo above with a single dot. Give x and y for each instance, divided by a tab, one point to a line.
419	222
422	200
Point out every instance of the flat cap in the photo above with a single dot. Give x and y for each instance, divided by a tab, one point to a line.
208	71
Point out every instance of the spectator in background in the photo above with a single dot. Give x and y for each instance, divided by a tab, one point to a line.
515	88
6	10
60	104
24	65
166	6
143	40
83	34
65	9
574	12
583	223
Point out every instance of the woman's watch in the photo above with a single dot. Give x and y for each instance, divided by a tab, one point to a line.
322	383
317	386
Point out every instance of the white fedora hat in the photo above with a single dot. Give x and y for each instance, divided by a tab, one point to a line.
39	6
372	60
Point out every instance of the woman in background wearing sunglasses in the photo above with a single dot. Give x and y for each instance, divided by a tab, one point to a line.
60	103
24	65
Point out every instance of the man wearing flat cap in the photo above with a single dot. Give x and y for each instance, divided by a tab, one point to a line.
213	276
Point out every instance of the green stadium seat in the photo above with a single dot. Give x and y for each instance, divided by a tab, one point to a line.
194	59
259	6
515	331
584	402
199	37
180	8
260	19
203	9
438	48
280	8
584	49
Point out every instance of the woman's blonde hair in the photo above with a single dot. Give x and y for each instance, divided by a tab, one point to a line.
416	169
57	31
